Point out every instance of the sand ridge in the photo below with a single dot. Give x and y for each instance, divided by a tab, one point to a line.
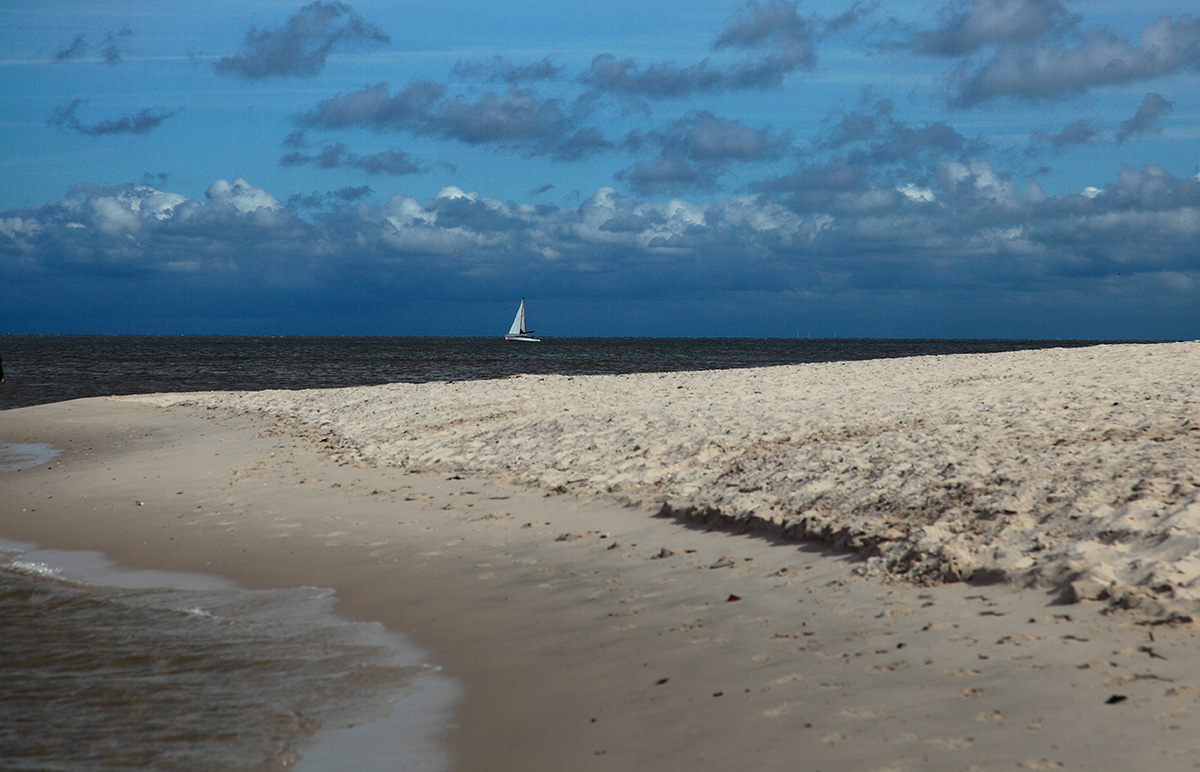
1069	468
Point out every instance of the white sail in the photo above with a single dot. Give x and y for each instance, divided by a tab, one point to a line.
518	331
518	325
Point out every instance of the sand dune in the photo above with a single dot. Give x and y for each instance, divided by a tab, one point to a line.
1076	469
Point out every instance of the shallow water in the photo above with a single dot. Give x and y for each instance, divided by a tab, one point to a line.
102	667
15	456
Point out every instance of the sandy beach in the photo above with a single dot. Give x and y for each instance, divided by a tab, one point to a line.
959	562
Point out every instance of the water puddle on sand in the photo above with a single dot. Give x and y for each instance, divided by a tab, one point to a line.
15	456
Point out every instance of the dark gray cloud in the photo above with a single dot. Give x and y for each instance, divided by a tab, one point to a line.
1042	71
871	135
668	173
140	123
371	107
694	151
857	13
774	25
1086	131
969	25
516	119
109	49
337	156
772	33
301	47
663	80
516	116
704	137
833	186
1145	121
77	50
500	69
1081	132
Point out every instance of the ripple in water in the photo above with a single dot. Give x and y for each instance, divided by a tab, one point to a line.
211	677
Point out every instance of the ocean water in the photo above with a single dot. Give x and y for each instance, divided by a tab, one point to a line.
53	368
107	668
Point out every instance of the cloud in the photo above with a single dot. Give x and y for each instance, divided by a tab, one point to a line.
141	123
696	149
516	119
969	25
774	25
971	235
1085	131
657	81
1145	121
777	40
1040	71
858	12
1081	132
317	199
336	156
871	134
110	48
500	69
241	196
667	174
372	108
77	50
301	47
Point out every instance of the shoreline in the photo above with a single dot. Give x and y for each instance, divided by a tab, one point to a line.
416	711
591	634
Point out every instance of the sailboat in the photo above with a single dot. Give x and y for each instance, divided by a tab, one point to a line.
518	331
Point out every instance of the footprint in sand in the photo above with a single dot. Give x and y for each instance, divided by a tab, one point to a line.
952	743
575	536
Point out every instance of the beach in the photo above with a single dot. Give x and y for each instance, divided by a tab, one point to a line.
948	562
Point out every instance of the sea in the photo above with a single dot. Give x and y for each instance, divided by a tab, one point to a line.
104	667
53	368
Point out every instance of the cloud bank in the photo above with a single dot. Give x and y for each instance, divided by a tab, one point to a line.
972	229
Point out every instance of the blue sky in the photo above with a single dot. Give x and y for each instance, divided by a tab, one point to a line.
972	168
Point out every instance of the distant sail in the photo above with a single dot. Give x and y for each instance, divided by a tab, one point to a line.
518	331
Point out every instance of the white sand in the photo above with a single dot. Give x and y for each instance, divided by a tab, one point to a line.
1069	468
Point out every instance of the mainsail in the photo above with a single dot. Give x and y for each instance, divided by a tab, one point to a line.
518	325
518	331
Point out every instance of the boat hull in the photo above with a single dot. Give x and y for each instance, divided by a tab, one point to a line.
523	338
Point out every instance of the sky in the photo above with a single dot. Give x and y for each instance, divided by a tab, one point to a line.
872	168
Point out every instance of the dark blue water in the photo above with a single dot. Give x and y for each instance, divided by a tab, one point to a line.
53	368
